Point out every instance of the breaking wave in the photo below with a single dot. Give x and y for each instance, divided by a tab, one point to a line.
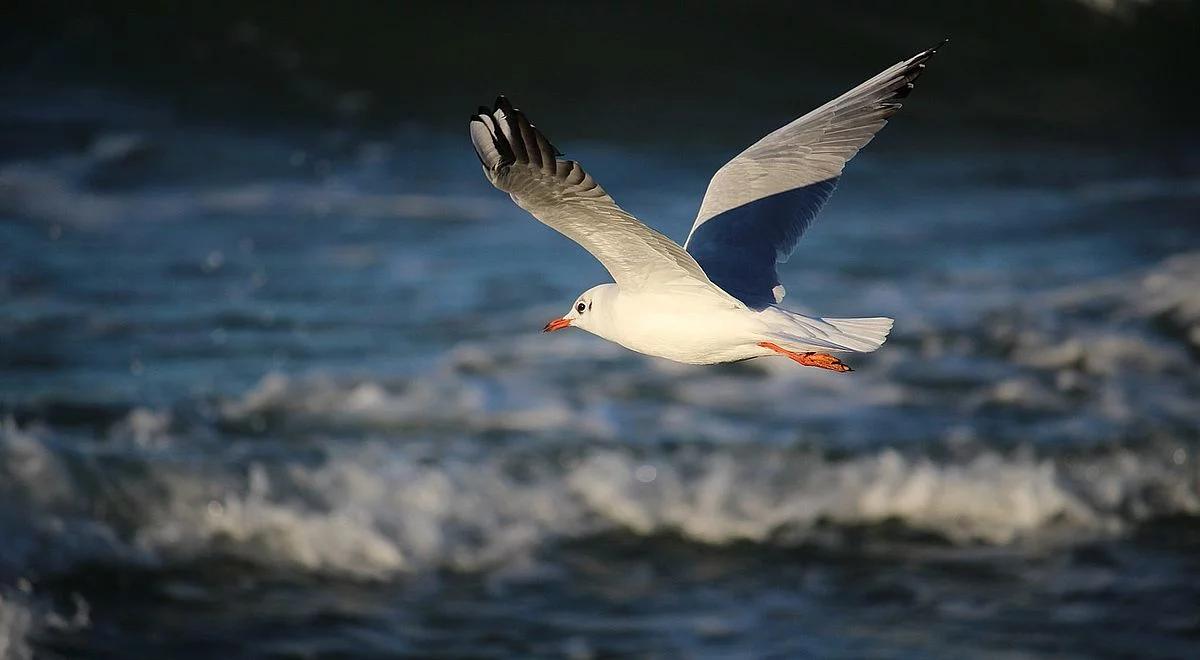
380	508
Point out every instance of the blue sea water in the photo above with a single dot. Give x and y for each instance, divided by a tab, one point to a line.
281	392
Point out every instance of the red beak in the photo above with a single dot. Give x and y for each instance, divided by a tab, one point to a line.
557	324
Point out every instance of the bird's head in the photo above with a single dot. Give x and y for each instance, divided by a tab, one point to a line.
589	311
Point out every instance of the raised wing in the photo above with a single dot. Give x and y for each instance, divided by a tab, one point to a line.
518	159
759	204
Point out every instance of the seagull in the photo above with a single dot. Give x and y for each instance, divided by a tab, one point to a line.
716	298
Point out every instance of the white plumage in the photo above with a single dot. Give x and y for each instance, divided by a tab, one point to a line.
715	300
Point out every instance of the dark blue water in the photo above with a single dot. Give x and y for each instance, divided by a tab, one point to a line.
280	392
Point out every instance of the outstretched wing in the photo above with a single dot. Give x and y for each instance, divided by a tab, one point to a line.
759	204
518	159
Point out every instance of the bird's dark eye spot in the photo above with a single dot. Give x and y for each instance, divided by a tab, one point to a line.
580	307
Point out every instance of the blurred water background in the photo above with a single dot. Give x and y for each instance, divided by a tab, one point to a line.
271	381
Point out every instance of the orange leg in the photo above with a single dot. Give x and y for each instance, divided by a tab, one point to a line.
819	360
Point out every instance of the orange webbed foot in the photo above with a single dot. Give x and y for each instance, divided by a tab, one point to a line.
819	360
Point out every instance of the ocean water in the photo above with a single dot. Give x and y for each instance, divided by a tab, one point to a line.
281	392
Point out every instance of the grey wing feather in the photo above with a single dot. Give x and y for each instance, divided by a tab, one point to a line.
813	148
518	159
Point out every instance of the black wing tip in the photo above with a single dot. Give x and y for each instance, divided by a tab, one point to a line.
504	152
930	52
515	119
915	66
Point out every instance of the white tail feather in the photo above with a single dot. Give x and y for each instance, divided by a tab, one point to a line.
797	332
861	335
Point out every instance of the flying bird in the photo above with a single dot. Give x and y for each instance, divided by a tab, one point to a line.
715	298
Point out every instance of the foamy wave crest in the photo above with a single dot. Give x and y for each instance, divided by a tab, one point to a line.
447	400
367	515
1165	294
779	494
1170	293
22	616
16	622
516	385
379	508
375	511
249	522
58	196
1117	355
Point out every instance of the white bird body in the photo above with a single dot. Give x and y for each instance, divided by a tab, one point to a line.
695	327
714	299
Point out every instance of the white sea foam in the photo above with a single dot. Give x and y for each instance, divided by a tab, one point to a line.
257	527
1170	291
23	614
1166	292
530	386
57	195
1118	351
991	499
16	622
375	509
373	512
437	400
